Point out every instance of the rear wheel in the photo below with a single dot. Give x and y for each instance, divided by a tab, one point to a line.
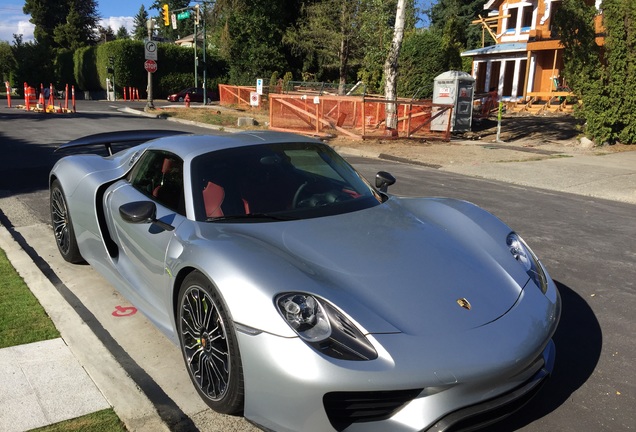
209	346
62	226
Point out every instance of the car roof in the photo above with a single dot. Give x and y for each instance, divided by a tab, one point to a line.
191	146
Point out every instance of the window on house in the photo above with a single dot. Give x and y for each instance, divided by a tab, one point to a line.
512	19
526	18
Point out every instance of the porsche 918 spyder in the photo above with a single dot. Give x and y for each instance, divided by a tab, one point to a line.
301	295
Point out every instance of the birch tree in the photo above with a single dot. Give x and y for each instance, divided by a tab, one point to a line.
391	66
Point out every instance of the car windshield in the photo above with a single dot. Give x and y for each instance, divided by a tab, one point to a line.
272	182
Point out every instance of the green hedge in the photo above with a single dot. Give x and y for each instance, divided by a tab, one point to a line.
85	68
175	67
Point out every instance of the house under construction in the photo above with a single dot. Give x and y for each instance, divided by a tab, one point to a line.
525	63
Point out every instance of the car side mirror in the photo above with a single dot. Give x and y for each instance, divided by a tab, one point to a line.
383	180
142	212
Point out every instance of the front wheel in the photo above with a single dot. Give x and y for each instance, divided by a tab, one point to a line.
62	226
209	346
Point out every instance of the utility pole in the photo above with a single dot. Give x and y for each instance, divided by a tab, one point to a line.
196	58
205	66
150	105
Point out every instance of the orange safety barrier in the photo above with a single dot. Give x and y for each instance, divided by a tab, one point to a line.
354	116
8	87
51	95
41	98
29	96
137	93
44	103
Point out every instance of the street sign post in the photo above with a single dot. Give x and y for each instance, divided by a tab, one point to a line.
150	50
150	66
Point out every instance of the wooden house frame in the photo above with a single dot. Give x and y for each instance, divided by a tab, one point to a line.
526	61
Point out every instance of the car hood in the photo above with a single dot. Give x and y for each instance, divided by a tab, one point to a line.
406	265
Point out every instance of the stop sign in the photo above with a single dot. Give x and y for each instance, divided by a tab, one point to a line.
150	66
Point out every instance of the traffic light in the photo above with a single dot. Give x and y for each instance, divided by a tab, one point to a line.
166	15
196	17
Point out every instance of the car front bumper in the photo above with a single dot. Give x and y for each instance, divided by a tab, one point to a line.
283	393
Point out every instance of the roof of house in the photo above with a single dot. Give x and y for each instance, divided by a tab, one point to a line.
497	49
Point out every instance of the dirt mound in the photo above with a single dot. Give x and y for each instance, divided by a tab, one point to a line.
541	128
522	138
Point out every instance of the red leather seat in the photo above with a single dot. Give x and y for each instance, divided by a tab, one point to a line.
213	196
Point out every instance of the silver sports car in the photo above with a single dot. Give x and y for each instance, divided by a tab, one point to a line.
302	296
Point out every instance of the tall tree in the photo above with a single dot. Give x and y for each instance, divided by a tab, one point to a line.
105	34
250	37
328	36
47	15
73	33
460	13
391	66
139	24
122	33
30	65
7	62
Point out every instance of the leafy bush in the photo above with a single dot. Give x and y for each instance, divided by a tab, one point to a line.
421	61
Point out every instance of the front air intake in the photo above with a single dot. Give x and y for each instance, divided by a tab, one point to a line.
346	408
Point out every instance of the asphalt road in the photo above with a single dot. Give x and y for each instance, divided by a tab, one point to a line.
587	244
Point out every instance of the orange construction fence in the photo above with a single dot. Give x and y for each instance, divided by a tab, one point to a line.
356	117
236	95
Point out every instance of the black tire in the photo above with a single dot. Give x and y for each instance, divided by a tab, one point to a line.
180	98
209	346
62	227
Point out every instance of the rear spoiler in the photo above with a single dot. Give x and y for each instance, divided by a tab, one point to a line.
107	139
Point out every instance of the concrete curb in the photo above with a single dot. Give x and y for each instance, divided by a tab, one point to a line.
131	405
178	120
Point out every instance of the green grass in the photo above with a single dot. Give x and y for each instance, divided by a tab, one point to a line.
100	421
214	116
22	318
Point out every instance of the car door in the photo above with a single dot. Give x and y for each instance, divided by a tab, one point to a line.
157	177
197	95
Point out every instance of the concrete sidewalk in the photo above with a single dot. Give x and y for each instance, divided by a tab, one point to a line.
31	377
51	381
60	379
609	176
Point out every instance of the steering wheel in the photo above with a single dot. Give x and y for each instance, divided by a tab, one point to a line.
300	189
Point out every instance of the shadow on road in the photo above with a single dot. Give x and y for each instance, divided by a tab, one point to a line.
579	340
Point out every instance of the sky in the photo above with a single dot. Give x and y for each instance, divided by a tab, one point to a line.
113	13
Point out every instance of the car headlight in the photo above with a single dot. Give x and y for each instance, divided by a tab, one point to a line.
323	327
528	260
